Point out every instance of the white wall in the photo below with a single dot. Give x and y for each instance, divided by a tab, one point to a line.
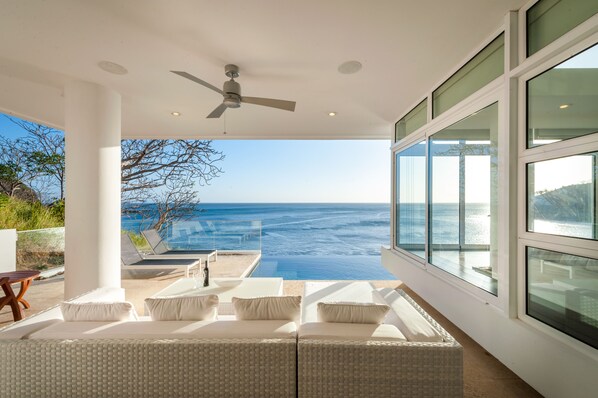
8	250
552	367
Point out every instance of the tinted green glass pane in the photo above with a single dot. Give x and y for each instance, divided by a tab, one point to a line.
486	66
410	208
561	196
415	119
548	20
562	291
463	197
562	103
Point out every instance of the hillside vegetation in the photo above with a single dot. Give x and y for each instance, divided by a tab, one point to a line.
23	215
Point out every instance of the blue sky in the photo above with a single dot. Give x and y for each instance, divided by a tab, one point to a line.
280	171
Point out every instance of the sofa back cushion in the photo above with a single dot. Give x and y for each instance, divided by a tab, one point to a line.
316	292
347	312
350	331
268	308
191	308
406	318
98	312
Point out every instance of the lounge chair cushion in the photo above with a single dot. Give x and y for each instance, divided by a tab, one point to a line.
406	318
268	308
349	331
169	330
191	308
98	312
348	312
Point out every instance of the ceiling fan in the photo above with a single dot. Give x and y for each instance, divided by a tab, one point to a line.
231	91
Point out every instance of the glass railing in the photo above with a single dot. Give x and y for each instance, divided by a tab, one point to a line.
233	235
40	249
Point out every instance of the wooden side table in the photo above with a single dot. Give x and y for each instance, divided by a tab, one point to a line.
6	280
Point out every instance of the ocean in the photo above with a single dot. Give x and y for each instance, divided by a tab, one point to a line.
298	241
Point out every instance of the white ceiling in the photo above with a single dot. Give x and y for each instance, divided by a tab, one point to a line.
285	49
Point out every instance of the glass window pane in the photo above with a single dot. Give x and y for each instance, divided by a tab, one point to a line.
415	119
463	199
486	66
562	102
411	195
562	291
548	20
561	196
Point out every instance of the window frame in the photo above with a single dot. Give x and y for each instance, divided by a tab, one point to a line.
576	41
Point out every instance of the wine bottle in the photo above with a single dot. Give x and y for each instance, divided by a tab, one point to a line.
206	275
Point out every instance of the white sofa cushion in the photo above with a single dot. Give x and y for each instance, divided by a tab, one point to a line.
268	308
349	331
406	318
101	312
52	315
316	292
169	330
189	308
352	312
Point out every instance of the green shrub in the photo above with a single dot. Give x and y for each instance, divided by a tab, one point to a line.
22	215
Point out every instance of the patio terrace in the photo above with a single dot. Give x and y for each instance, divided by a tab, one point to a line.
484	375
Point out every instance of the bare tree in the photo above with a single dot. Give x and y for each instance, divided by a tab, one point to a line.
162	173
15	175
40	156
165	173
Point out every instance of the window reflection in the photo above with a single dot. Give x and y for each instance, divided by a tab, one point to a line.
562	196
562	291
562	103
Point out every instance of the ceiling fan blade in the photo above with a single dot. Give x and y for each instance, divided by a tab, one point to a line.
272	103
216	113
197	80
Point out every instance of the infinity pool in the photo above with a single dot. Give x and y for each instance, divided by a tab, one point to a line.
322	268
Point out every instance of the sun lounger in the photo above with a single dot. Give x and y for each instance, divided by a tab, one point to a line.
132	259
161	248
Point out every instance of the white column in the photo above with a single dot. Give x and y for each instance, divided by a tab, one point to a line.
92	224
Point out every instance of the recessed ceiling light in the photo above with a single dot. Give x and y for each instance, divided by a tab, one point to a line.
331	113
113	68
349	67
175	113
564	106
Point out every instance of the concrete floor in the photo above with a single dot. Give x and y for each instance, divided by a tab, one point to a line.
484	375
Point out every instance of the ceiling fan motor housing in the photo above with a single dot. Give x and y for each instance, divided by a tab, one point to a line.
232	96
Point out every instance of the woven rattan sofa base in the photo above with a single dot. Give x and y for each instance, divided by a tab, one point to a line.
351	369
148	368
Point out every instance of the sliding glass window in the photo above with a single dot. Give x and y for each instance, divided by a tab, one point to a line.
463	193
410	208
562	103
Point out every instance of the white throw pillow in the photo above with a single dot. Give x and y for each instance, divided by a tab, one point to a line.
191	308
352	312
98	312
286	308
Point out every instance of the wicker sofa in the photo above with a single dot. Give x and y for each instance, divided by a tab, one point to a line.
357	364
43	356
